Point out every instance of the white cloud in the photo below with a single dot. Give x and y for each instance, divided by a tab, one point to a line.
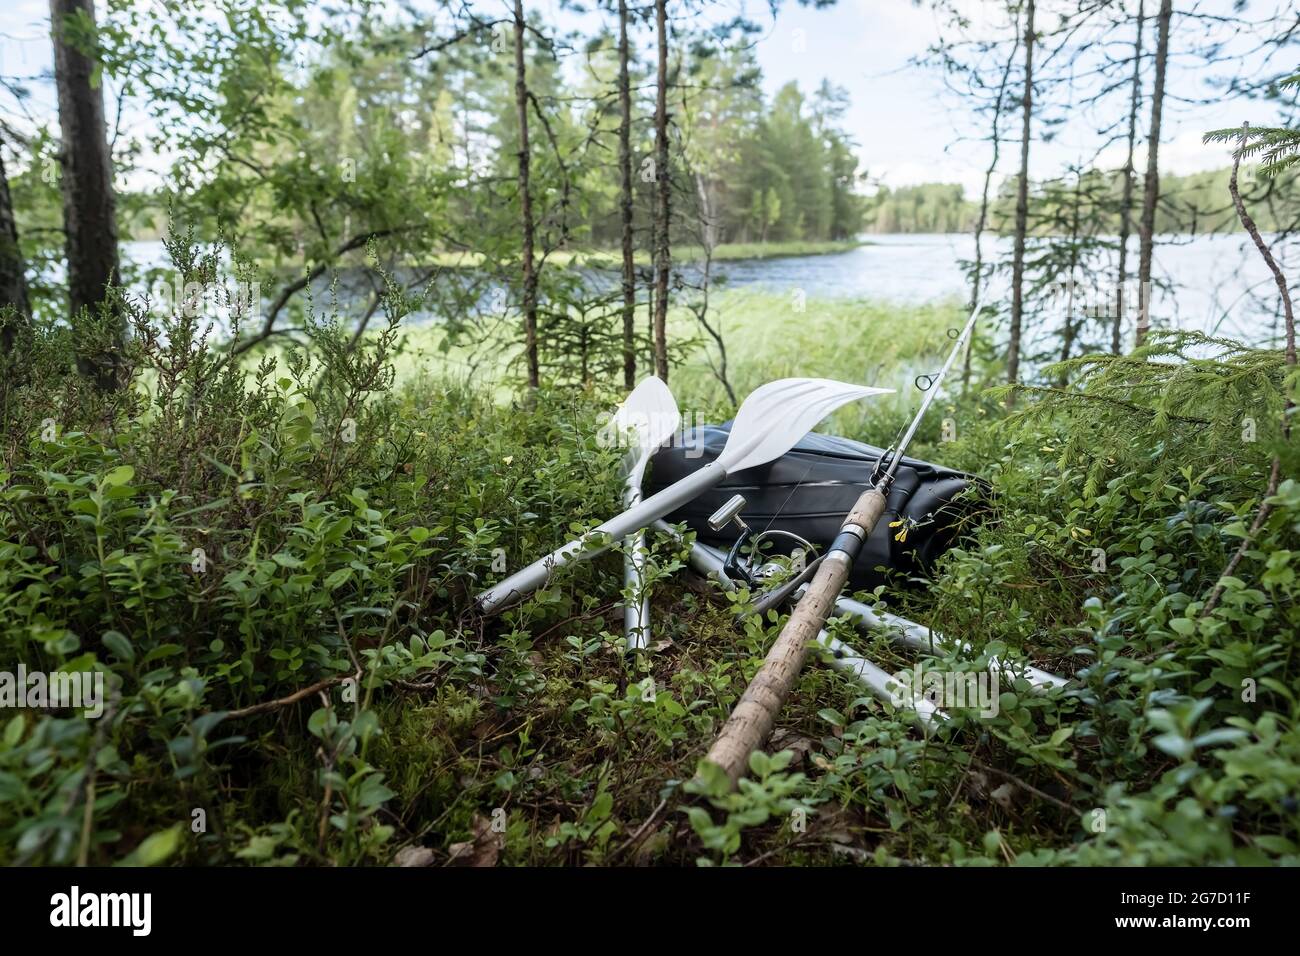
910	130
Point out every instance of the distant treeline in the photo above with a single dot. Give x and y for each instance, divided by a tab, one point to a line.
767	196
1193	203
750	169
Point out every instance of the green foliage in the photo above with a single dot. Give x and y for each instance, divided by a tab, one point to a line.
272	566
768	792
1108	557
927	207
218	539
1275	149
1194	202
270	563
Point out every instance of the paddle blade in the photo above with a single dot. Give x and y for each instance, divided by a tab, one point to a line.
647	418
776	415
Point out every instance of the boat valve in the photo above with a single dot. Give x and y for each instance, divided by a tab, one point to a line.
729	512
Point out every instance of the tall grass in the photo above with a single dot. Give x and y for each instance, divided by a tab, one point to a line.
853	340
766	337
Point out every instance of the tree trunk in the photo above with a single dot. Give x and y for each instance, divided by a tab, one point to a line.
89	204
625	200
708	216
13	270
526	205
1022	206
1069	332
977	283
650	306
709	239
1151	189
1126	201
710	219
663	254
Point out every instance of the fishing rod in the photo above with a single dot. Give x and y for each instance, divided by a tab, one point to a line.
752	720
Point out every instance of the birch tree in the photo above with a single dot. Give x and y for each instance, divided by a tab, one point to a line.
1126	198
529	273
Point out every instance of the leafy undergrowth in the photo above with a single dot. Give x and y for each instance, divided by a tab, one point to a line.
274	573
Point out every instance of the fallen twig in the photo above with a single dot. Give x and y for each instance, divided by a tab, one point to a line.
1012	778
286	701
634	840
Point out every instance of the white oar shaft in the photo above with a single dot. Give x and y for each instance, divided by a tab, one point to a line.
921	638
525	582
882	686
636	608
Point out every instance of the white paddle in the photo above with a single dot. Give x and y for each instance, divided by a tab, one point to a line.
650	417
769	423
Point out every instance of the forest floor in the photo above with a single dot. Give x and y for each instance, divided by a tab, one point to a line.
320	687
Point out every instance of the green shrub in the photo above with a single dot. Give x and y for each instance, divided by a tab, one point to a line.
273	567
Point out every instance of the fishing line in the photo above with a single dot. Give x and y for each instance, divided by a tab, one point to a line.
797	485
887	455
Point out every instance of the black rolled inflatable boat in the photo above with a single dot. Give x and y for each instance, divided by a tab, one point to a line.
809	490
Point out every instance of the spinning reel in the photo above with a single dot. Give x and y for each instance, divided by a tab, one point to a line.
756	569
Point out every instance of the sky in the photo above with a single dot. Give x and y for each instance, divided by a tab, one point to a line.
907	128
910	131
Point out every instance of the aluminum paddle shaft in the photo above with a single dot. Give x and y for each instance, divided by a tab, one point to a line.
640	515
636	608
649	415
752	720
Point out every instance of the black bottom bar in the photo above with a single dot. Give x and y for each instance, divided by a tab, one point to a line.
1036	906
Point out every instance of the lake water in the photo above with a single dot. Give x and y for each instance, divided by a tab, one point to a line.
1215	284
